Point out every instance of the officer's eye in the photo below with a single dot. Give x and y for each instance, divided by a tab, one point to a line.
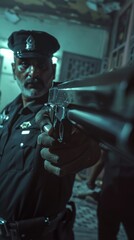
23	66
43	65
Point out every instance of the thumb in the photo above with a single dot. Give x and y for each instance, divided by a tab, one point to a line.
43	121
47	127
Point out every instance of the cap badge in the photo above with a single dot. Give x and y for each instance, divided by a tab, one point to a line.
30	43
25	125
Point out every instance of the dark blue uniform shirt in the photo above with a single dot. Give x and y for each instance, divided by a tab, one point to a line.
27	190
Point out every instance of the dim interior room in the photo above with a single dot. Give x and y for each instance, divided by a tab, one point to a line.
73	37
86	49
90	48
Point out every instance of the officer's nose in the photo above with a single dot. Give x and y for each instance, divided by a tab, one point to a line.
33	71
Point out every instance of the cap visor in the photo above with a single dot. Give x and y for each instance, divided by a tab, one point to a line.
31	55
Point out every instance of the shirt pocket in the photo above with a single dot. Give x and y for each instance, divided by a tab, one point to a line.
20	152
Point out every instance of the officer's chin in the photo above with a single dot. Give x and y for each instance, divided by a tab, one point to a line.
34	93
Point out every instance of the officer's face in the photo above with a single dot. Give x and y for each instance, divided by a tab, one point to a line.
34	76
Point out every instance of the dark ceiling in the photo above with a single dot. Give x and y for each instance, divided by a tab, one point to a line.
87	12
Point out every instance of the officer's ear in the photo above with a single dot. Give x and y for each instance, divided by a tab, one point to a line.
13	69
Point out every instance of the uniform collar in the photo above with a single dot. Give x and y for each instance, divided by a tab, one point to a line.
33	107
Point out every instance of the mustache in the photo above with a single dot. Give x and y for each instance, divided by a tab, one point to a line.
30	80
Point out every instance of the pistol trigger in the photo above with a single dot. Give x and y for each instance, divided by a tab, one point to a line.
61	132
65	131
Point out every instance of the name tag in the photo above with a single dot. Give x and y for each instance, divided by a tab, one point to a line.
25	132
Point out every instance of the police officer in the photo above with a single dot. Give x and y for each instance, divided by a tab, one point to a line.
35	184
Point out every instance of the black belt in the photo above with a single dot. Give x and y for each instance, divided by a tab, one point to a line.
30	228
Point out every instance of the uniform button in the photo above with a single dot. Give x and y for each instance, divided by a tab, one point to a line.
21	145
